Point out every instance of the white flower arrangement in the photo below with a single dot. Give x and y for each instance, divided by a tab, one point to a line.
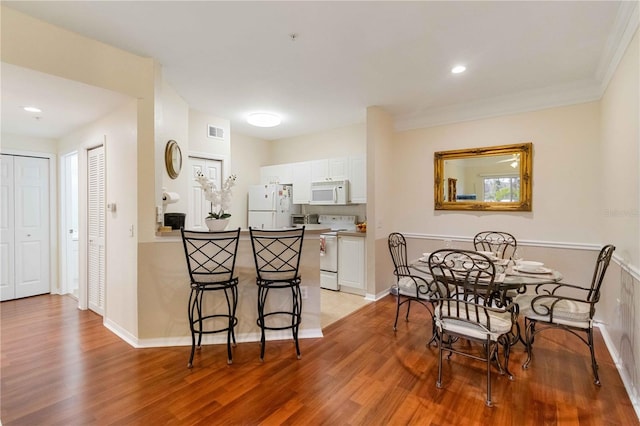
219	198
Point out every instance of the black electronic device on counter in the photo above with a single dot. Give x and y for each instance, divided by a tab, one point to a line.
174	220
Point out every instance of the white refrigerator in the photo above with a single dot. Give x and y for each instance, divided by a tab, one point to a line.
271	206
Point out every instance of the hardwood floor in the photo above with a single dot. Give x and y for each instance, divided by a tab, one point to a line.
60	366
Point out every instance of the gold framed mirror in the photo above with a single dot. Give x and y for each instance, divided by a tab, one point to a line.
495	178
173	159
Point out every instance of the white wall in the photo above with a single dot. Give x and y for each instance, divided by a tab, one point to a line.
118	133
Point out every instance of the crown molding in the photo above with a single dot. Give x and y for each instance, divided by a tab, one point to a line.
525	101
625	26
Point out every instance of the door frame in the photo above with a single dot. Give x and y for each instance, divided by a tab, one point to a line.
64	213
207	156
54	284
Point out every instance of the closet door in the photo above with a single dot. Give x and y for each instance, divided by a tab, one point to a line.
7	241
96	230
25	227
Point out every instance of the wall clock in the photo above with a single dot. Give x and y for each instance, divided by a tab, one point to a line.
173	159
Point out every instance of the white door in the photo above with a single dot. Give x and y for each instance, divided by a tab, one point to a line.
96	229
199	207
70	267
7	232
25	227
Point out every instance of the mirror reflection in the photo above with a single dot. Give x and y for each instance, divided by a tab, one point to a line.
491	178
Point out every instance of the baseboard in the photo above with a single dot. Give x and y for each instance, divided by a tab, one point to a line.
624	375
221	338
377	296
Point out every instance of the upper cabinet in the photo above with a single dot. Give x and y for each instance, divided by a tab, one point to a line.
301	174
358	179
279	173
301	179
330	169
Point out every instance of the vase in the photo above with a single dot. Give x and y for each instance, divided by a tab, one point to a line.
216	224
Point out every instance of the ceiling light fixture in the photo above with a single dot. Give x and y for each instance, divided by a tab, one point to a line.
458	69
263	119
31	109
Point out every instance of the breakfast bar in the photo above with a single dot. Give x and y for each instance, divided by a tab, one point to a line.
164	279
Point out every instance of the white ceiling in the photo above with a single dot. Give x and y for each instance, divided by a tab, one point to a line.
232	58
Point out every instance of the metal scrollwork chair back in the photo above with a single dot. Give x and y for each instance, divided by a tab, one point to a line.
501	243
410	286
567	307
469	305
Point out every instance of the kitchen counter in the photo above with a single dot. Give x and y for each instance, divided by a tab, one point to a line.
352	233
165	282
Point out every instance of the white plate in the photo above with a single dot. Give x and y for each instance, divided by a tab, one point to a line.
489	254
533	269
530	263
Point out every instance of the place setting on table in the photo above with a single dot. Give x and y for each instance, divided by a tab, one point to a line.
511	274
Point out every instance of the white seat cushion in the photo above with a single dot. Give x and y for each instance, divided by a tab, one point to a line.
407	287
566	312
500	323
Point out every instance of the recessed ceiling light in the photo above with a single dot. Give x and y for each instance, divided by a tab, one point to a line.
31	109
458	69
263	119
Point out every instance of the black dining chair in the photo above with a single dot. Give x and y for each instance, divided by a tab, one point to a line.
567	307
277	258
469	305
211	259
410	285
503	244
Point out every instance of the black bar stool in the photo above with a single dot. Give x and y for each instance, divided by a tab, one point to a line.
277	256
211	259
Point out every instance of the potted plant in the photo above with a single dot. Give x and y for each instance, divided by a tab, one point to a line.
219	201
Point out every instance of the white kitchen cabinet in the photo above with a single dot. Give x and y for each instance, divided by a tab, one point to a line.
351	264
330	169
358	179
278	173
301	179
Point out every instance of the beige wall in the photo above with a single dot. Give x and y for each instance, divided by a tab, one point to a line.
341	142
40	46
619	154
566	176
28	143
247	155
117	132
380	196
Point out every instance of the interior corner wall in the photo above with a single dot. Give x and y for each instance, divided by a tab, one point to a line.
380	207
172	123
247	154
620	156
620	198
37	45
117	131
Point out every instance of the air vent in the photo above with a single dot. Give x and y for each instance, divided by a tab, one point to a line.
216	132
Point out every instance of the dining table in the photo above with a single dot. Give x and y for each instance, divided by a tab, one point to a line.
511	279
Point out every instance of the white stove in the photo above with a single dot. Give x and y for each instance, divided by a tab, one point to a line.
338	223
329	248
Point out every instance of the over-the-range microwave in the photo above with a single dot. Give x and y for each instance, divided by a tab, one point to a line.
330	192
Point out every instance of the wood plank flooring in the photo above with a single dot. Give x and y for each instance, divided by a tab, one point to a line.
61	366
